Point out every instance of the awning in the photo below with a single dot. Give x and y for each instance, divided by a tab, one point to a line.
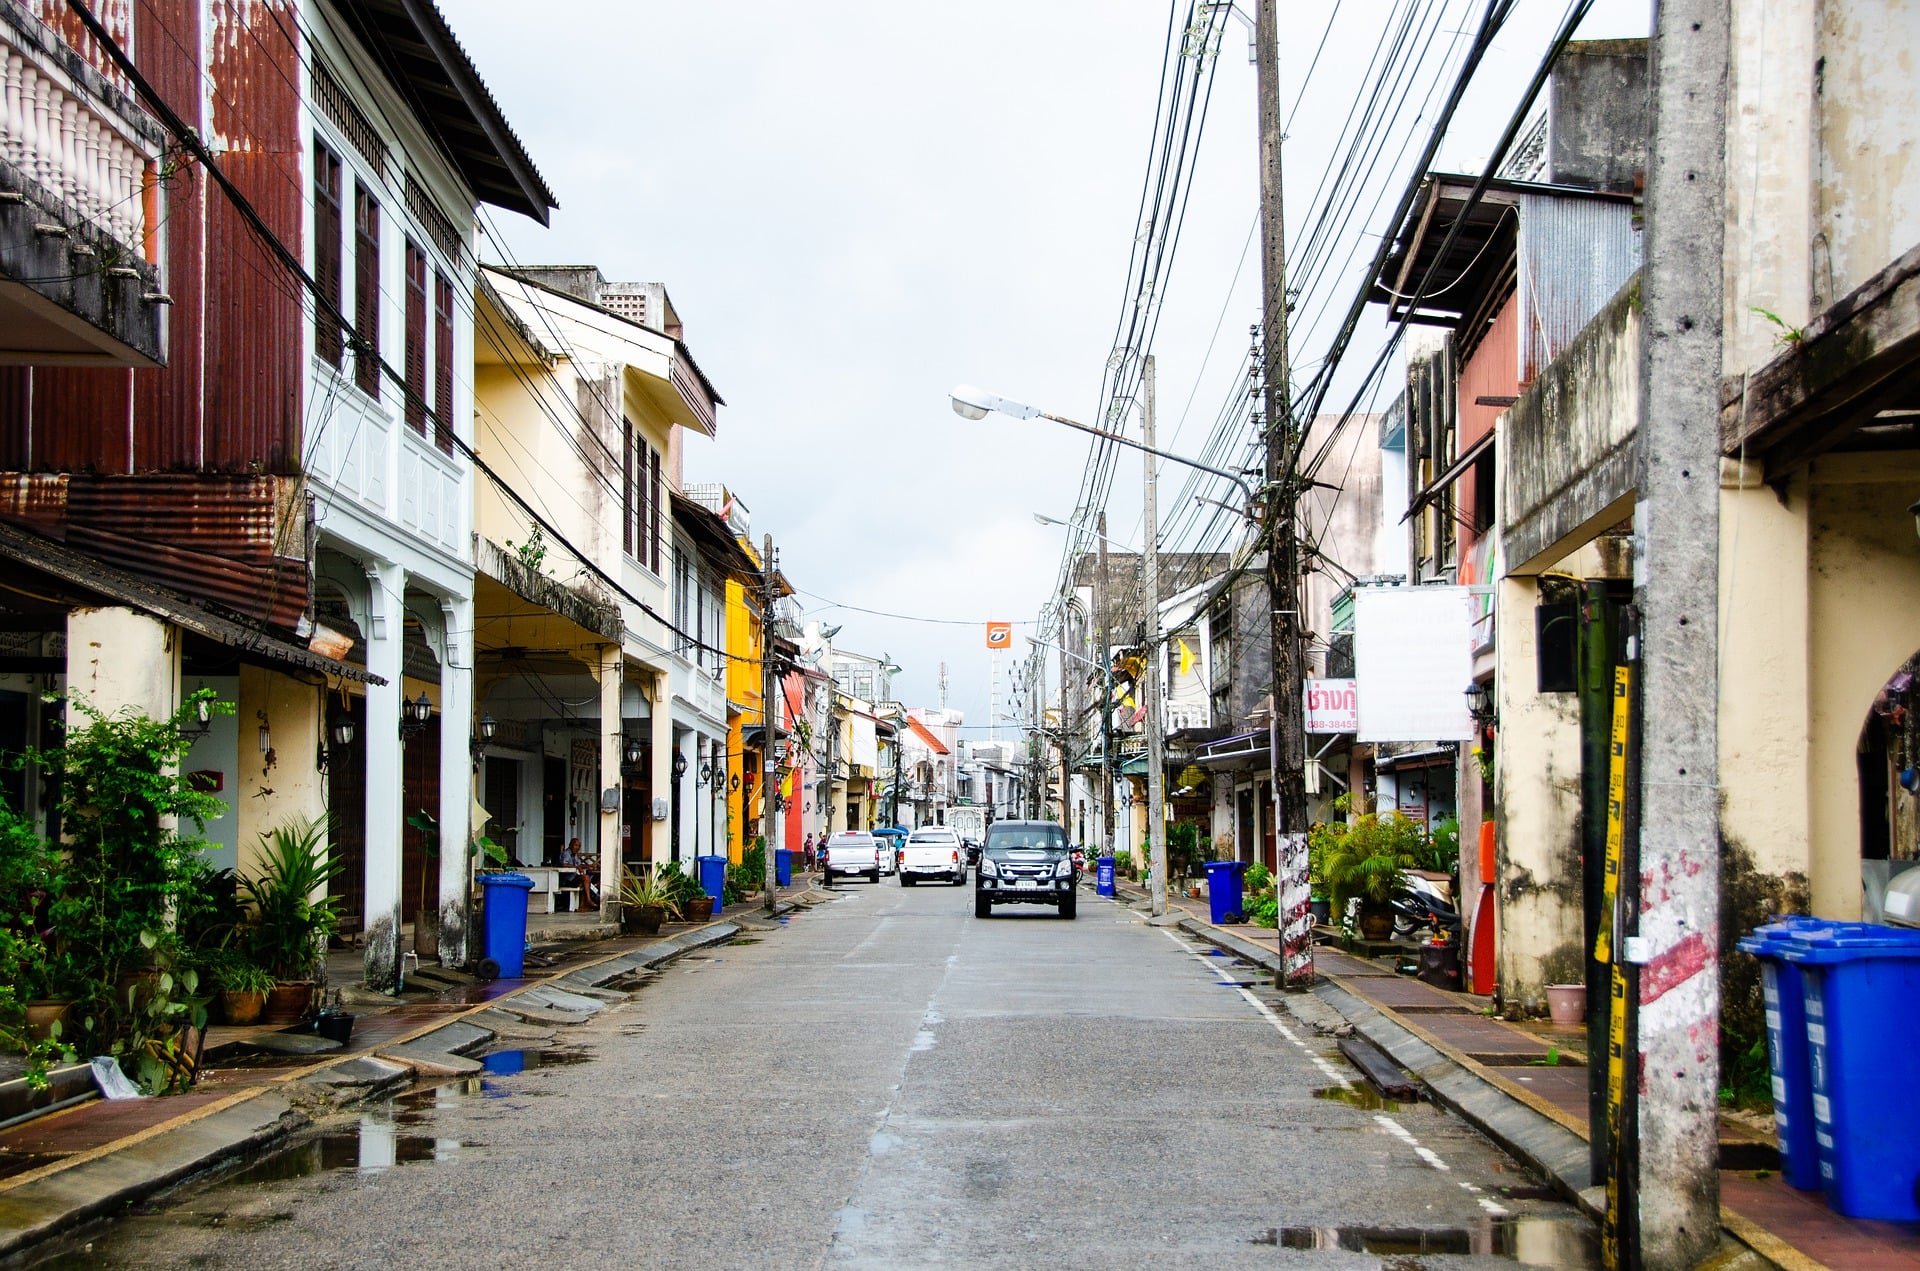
1238	746
1453	473
1415	758
95	578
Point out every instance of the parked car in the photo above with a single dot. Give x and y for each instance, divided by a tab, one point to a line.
933	852
851	852
973	850
1025	863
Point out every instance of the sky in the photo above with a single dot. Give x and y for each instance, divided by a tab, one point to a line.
857	206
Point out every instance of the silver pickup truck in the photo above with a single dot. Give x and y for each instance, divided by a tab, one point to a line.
852	852
933	852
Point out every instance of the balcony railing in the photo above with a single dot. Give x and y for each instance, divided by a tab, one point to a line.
67	129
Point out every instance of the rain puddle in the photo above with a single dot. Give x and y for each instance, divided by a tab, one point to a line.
371	1146
1359	1097
504	1063
1568	1244
745	940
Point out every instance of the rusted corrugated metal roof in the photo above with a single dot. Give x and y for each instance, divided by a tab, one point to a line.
1574	254
90	576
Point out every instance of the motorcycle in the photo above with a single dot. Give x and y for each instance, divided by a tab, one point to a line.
1420	904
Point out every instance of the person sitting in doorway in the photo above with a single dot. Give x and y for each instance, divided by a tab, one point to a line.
585	876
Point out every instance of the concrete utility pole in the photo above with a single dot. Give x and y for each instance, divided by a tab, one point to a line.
769	720
1106	704
1670	896
1060	737
1150	588
1287	744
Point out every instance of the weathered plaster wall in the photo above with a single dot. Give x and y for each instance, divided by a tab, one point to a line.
1764	658
1537	793
121	659
284	785
1866	117
1567	459
1864	616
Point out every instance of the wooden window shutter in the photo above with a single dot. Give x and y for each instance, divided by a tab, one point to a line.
654	533
443	361
327	340
626	488
416	367
366	290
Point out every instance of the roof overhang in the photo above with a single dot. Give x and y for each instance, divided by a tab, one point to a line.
86	580
1850	379
420	54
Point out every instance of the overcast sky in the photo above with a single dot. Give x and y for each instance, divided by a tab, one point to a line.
857	206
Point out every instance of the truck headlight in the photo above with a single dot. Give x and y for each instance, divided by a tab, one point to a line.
988	869
1064	869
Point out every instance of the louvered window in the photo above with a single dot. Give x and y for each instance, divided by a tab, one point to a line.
416	338
443	360
327	341
366	290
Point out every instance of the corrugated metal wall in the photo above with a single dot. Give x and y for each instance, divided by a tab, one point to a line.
169	462
1574	254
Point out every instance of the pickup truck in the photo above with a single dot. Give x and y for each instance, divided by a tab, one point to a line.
930	852
1025	863
851	852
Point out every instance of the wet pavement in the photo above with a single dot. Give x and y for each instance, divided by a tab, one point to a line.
891	1082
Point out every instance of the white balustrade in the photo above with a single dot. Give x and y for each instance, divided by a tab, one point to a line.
71	143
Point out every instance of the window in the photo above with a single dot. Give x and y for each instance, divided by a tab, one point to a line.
416	365
443	360
684	600
642	498
327	341
366	290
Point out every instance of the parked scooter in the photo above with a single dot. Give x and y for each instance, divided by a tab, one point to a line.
1420	904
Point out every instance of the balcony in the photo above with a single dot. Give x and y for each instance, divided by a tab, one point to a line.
79	209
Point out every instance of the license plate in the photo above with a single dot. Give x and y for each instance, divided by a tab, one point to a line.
1027	884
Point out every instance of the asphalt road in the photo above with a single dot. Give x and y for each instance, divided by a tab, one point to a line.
887	1081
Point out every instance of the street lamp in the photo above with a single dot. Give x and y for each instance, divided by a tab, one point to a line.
976	403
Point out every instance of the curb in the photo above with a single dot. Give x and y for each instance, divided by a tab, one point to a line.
43	1203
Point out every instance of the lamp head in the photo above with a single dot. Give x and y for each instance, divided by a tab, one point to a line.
975	403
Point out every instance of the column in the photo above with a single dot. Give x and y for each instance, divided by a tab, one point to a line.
385	636
121	658
660	725
612	667
456	779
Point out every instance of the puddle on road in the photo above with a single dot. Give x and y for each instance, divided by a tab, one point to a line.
745	940
504	1063
372	1146
1359	1097
1564	1243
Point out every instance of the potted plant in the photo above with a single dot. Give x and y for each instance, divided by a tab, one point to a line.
240	983
688	900
645	901
1368	858
290	918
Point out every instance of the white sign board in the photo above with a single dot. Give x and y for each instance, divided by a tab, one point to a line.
1413	656
1333	706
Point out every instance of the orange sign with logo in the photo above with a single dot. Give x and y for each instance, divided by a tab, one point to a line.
999	635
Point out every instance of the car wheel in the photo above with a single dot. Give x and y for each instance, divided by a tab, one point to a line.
982	907
1069	905
874	877
905	881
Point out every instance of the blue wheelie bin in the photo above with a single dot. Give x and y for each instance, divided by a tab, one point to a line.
1103	876
1786	1003
1863	1051
1224	900
713	878
505	940
782	867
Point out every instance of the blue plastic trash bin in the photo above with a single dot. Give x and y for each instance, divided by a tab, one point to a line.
1786	1004
782	867
1103	876
1223	891
1863	1052
713	878
506	927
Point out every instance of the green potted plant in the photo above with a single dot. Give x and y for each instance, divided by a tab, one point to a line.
240	984
1368	858
291	919
645	901
688	901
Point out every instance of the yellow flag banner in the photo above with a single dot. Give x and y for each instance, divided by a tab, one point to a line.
1186	658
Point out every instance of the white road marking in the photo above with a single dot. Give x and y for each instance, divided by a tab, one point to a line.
1328	1070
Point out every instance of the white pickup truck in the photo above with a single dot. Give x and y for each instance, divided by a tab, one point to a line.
851	852
933	852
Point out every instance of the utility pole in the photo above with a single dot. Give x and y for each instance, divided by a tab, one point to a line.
1667	964
1287	744
769	722
1106	703
1060	737
1150	587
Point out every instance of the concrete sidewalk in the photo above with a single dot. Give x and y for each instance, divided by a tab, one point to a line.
1524	1085
68	1167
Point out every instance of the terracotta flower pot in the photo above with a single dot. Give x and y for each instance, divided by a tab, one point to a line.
43	1015
242	1006
644	919
700	910
288	1002
1376	922
1567	1003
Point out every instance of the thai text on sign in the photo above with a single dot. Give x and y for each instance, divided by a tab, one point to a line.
1333	706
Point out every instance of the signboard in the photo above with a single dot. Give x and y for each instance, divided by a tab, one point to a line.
1333	706
999	635
1413	658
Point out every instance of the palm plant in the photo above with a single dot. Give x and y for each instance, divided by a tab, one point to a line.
291	919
